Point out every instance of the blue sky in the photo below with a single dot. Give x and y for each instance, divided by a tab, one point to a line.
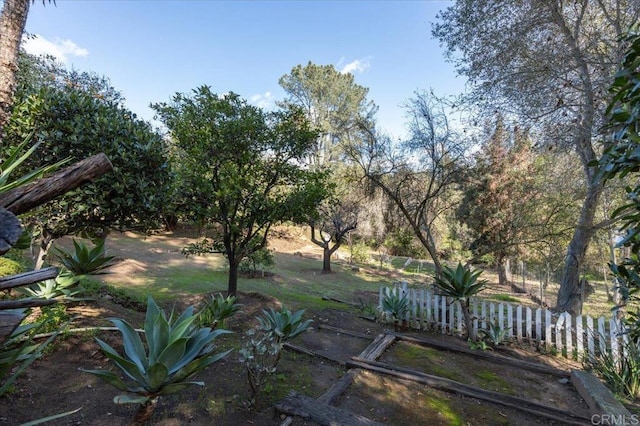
152	49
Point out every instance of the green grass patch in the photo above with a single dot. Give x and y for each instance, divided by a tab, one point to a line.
504	298
444	409
491	381
421	358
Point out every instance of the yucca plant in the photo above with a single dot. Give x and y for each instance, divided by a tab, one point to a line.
218	308
85	261
396	306
176	349
460	284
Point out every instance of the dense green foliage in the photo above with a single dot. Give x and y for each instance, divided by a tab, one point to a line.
622	159
239	170
216	309
76	115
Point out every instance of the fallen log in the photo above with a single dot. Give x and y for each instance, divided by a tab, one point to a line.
26	197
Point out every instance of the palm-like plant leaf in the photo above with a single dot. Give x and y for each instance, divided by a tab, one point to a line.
459	283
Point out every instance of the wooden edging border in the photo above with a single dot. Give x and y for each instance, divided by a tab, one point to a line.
498	359
452	386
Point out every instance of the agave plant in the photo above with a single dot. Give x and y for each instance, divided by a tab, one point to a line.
396	306
218	308
176	349
283	325
460	284
85	261
495	334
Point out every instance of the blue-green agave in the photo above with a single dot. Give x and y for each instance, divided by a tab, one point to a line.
176	349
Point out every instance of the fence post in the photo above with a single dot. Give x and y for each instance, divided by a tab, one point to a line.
568	334
519	323
510	319
613	333
579	338
558	330
602	336
539	325
529	321
475	314
590	338
443	311
548	337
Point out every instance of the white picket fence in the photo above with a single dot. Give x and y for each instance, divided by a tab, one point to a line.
579	338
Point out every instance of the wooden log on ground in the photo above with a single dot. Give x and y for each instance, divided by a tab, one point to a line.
339	387
447	385
26	197
25	303
27	278
378	346
486	356
323	414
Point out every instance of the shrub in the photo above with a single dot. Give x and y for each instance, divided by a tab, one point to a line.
10	267
215	310
622	375
359	253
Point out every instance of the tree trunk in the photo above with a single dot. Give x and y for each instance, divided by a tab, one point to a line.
232	287
12	22
45	246
503	278
569	295
468	321
326	260
144	413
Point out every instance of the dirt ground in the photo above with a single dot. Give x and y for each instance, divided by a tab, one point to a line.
55	384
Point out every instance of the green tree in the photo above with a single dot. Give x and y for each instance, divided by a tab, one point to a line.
335	220
76	115
549	62
332	102
240	170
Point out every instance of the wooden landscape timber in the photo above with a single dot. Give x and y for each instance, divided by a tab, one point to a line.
452	386
492	357
320	412
27	197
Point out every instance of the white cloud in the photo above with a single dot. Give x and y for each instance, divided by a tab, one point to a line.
262	100
60	49
359	65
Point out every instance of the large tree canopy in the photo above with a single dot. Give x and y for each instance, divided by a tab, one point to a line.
332	101
549	62
240	169
76	115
